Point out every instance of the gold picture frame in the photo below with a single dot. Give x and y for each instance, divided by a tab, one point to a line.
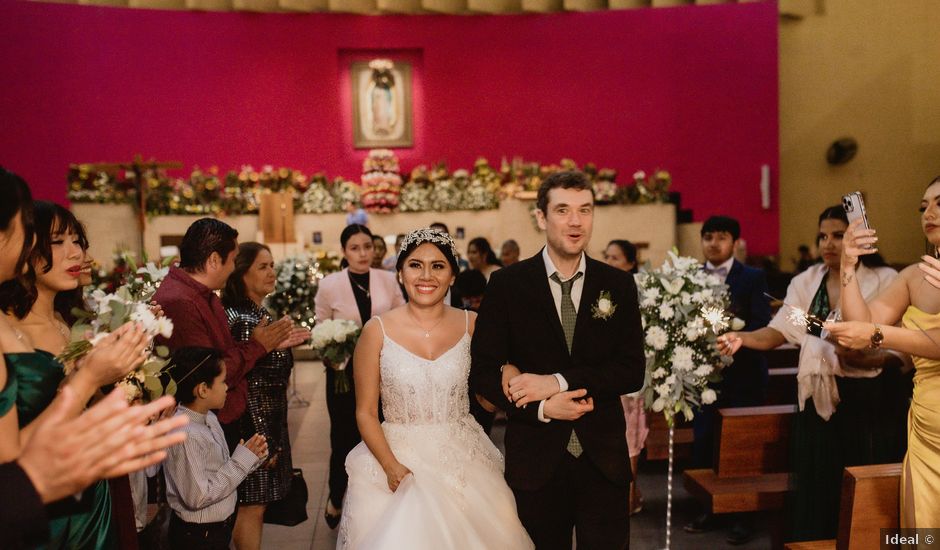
381	98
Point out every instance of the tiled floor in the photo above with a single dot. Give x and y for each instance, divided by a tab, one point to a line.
309	427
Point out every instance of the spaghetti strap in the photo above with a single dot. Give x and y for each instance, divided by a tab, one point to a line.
466	315
381	324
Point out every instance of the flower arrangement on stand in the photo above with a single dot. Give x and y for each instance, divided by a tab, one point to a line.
296	285
381	182
683	311
105	312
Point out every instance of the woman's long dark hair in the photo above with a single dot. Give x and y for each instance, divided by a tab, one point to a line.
17	200
483	247
18	296
348	232
234	292
838	213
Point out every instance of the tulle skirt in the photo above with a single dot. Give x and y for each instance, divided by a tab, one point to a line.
456	498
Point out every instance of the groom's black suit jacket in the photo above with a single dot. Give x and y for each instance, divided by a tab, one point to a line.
518	323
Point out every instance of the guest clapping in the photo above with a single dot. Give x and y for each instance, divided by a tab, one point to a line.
201	475
266	412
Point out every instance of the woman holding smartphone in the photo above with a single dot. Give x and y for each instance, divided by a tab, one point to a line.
914	301
851	409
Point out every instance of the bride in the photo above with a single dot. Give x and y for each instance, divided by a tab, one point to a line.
428	477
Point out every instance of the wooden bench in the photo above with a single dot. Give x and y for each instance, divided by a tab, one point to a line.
870	502
751	463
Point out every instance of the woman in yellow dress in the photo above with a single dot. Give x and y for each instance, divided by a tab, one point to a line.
912	299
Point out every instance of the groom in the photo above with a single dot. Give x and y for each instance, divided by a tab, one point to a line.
558	340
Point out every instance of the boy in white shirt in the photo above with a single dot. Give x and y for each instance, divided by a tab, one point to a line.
201	476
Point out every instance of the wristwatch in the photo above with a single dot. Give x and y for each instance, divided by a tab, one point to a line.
877	337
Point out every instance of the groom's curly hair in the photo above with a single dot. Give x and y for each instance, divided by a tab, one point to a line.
569	179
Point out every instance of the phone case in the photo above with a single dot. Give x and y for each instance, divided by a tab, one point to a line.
854	208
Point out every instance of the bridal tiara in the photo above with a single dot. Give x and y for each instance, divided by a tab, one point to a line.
428	235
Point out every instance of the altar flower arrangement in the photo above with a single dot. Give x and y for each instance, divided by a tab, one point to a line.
336	339
318	199
683	312
105	312
381	182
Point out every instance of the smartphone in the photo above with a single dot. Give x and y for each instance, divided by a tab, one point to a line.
854	207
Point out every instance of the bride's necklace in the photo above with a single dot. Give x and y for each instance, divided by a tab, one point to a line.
427	331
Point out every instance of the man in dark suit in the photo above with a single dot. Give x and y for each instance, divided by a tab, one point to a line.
558	340
744	382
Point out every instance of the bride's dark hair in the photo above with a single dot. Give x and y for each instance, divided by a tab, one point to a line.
442	241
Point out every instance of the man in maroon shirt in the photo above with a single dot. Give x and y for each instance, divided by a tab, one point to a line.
187	296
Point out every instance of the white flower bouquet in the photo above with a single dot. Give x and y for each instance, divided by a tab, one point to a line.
336	339
683	311
106	312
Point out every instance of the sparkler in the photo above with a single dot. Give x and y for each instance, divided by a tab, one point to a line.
800	318
716	318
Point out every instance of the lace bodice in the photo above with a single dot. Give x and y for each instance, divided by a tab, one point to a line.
416	390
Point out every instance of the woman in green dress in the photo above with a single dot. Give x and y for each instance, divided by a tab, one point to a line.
32	335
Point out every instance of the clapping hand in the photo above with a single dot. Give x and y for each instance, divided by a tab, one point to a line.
395	474
256	444
297	336
271	335
116	355
527	388
109	440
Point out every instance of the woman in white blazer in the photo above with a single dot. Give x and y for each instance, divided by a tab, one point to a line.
356	293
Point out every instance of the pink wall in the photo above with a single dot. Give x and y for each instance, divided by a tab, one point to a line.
693	90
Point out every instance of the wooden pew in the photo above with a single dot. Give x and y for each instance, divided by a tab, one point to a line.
751	463
870	501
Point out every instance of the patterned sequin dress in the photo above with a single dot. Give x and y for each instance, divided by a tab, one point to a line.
266	412
457	497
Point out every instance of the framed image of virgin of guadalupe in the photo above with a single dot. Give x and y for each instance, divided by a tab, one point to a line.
381	104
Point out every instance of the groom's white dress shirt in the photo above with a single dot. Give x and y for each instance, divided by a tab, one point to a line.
576	288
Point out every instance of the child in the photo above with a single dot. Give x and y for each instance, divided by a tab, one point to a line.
201	477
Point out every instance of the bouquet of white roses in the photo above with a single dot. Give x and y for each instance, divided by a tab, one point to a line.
336	339
106	312
683	310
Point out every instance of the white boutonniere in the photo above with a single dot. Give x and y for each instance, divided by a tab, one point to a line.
604	308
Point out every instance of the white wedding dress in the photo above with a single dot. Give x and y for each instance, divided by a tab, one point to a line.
457	497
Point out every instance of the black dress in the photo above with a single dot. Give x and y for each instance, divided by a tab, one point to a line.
266	412
867	427
344	432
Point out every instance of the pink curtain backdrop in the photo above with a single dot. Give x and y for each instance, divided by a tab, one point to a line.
692	89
